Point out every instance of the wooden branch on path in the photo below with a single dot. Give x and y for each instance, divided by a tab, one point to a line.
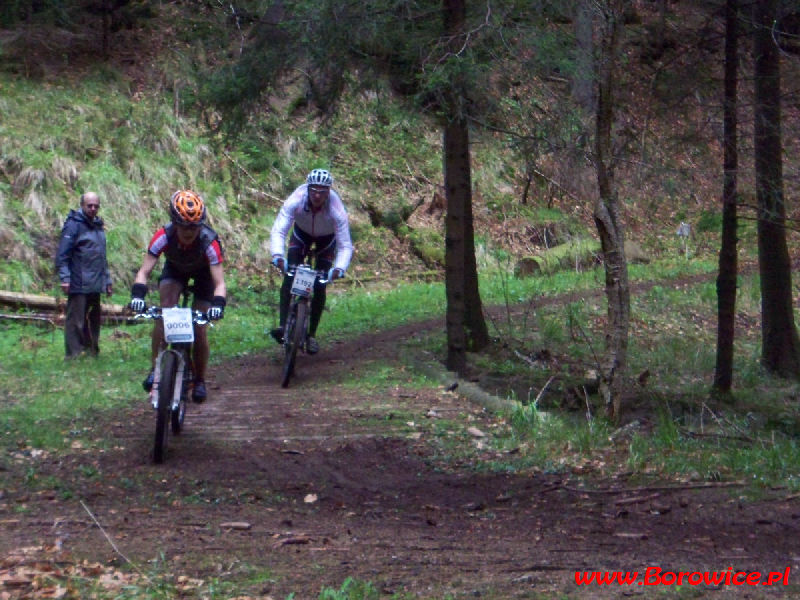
43	319
659	488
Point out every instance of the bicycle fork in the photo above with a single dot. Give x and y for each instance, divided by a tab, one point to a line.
178	389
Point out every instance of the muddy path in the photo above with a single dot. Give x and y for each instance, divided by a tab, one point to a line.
320	482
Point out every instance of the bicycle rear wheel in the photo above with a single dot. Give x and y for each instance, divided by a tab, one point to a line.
293	340
166	387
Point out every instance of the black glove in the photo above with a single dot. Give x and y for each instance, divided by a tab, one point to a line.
138	292
217	310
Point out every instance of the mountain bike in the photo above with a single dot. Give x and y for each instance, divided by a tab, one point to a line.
295	331
173	375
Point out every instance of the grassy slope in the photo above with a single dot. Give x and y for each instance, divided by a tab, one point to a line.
132	132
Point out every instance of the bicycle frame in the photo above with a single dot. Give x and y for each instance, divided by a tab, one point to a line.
295	330
176	359
303	280
182	352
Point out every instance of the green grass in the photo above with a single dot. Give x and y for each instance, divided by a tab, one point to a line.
351	589
45	399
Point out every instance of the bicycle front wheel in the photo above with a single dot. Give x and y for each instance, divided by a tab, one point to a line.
179	413
166	388
294	336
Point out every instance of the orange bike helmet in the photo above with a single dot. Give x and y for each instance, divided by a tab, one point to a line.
187	208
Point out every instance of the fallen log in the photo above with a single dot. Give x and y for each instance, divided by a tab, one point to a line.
578	254
49	303
57	319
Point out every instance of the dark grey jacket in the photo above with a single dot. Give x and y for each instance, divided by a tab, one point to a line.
81	258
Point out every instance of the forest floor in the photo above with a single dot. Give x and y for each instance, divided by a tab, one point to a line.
295	490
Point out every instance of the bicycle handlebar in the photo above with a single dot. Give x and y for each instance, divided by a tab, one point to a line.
322	276
154	312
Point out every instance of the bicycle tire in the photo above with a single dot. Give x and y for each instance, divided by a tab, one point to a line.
177	415
166	387
294	338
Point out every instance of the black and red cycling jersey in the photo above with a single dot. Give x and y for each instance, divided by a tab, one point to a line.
205	250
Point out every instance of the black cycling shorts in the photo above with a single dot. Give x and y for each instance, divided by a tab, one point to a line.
203	284
301	244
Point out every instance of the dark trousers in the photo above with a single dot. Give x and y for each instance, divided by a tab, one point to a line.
82	327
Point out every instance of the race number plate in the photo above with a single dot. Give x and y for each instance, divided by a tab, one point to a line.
178	325
303	281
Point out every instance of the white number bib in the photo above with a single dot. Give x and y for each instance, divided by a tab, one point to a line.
178	325
303	281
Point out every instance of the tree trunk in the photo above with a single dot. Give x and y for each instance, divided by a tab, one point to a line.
780	351
477	333
728	267
466	326
455	274
607	218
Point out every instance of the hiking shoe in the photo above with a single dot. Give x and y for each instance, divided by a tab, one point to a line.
277	334
147	384
199	393
312	347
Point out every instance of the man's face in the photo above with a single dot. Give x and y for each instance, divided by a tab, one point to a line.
90	204
187	233
317	195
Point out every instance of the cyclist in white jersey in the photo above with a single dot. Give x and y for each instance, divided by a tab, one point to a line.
319	223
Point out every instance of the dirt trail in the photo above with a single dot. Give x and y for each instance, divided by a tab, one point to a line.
320	482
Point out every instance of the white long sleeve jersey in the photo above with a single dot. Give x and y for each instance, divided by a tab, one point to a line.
331	219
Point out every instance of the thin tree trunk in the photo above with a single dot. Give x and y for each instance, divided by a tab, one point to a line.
607	217
477	332
455	275
728	263
466	326
780	352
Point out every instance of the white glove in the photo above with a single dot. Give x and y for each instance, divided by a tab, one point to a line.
137	305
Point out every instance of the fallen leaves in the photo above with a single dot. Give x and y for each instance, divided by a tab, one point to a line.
44	572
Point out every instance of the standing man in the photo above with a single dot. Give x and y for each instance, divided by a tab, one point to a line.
320	226
82	268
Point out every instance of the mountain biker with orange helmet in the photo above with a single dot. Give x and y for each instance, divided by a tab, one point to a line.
319	222
193	251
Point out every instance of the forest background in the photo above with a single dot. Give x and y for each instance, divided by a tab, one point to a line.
136	98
